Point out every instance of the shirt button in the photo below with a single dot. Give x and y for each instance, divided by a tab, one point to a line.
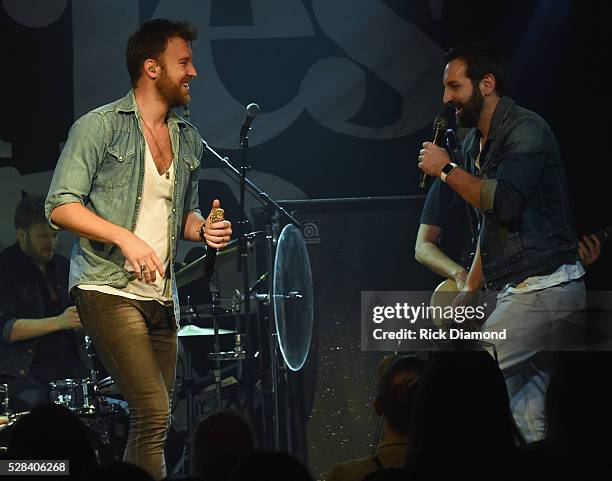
29	351
172	237
120	157
138	197
21	372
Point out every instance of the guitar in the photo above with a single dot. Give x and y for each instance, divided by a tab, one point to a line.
444	294
604	234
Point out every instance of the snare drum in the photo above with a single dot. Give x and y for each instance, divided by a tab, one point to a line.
107	387
75	394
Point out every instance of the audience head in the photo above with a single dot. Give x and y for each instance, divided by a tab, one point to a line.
262	465
51	431
118	470
577	400
386	474
219	443
396	390
461	409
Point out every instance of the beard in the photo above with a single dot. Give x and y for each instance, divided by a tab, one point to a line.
37	255
172	92
472	109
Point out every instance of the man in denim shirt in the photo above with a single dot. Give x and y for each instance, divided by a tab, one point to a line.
127	183
527	245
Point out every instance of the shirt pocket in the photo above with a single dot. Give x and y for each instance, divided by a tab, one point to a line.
190	162
116	168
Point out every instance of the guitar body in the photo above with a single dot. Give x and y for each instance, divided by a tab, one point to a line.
443	295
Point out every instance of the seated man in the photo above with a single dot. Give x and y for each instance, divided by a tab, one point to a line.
395	395
37	342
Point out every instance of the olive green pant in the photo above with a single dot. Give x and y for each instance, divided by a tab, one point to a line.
137	344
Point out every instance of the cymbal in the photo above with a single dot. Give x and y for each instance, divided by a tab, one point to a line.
195	270
191	330
292	297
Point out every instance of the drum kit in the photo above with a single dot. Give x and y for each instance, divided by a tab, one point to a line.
256	337
227	352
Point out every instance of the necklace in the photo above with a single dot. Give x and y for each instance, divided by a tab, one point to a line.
161	153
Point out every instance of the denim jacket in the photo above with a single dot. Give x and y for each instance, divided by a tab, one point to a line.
102	167
526	227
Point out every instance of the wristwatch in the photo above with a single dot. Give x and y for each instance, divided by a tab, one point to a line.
447	169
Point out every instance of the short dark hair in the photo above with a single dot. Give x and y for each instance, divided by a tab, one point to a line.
397	399
30	211
219	443
481	59
150	41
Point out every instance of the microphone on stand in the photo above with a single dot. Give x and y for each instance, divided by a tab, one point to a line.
251	111
439	130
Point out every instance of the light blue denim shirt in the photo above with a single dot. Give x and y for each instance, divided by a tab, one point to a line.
102	168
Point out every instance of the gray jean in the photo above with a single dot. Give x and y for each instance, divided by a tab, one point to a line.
537	323
137	344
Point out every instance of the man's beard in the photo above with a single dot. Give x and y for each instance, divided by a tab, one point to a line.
37	256
472	109
172	92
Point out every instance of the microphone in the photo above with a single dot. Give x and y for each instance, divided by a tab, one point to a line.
216	215
452	145
251	111
439	130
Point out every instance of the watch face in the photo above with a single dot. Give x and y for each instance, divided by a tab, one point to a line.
447	168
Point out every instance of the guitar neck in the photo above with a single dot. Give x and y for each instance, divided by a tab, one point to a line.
604	234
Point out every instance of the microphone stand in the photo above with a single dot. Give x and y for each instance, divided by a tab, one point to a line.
264	199
273	209
241	262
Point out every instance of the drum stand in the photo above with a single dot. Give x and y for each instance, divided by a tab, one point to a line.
217	356
272	227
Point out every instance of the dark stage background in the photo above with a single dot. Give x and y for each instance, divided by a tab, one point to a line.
348	91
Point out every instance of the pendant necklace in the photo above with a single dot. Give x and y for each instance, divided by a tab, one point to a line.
158	148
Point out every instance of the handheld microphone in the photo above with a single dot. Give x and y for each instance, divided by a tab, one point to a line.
251	111
211	253
452	145
439	129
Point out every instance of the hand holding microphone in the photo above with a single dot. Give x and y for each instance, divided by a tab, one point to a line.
433	156
216	232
